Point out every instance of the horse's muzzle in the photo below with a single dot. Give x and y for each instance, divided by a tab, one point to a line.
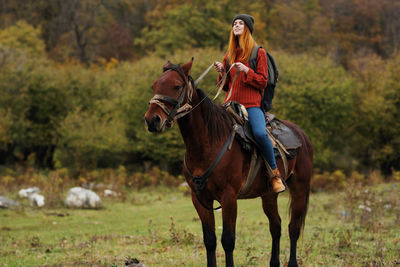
155	124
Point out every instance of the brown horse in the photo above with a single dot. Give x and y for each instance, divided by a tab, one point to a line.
205	128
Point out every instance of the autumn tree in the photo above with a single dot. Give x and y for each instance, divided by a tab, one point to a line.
32	103
375	139
125	23
298	26
363	27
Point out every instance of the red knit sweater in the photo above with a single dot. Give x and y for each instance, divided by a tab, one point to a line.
248	87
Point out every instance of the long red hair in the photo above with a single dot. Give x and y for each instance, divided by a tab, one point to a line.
244	41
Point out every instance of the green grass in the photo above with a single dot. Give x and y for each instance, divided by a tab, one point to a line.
161	228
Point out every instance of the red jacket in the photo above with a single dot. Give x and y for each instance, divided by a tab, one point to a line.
249	87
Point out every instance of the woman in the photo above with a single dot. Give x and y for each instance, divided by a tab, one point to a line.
248	84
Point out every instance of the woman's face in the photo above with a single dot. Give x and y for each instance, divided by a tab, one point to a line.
238	27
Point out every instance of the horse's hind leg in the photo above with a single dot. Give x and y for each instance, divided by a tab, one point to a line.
299	191
270	206
208	225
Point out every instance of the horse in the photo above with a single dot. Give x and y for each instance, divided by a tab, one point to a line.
206	129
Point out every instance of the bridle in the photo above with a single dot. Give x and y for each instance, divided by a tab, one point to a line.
178	111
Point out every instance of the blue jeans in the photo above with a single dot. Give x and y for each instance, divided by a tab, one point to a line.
257	122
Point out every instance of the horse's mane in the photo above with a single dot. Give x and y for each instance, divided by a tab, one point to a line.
217	119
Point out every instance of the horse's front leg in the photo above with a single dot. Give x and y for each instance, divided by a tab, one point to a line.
208	225
229	214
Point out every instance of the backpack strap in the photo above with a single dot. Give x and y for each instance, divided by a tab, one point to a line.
253	61
253	58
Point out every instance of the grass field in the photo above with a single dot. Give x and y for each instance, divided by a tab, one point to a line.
356	227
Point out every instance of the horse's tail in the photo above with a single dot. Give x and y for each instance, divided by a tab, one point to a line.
301	215
299	185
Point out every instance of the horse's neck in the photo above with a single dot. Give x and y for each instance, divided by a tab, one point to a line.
194	131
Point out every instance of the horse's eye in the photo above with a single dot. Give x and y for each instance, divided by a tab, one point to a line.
177	88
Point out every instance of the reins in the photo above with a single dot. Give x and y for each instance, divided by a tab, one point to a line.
221	82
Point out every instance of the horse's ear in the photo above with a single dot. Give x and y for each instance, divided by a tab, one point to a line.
166	66
186	68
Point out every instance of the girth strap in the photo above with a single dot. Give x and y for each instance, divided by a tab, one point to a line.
201	181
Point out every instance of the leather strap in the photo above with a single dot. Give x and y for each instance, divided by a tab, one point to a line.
201	181
203	75
254	168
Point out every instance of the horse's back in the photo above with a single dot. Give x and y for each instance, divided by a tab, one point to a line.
305	141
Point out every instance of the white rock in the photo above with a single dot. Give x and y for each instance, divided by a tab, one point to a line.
79	197
24	193
6	203
110	193
36	200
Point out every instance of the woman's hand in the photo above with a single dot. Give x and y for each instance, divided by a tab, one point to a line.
218	66
239	66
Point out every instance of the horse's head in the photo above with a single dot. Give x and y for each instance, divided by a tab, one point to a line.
172	93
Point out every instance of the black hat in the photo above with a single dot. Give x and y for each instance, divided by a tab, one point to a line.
249	20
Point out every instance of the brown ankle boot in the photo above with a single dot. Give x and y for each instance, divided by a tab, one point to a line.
277	184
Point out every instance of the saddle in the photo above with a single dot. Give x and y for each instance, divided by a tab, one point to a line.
283	139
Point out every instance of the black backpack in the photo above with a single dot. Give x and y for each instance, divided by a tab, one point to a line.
273	73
